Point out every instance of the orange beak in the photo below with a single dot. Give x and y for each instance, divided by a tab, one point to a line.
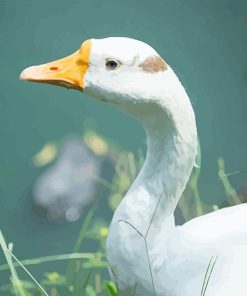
68	72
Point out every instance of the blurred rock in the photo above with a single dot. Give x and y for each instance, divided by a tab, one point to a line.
66	187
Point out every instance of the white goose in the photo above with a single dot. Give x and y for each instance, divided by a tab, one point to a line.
131	76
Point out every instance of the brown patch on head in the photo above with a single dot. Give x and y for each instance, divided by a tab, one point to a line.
153	64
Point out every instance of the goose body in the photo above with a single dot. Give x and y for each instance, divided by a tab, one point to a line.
147	253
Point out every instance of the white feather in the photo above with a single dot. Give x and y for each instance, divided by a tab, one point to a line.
179	256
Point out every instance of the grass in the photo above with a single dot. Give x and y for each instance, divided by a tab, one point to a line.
208	275
53	281
86	272
14	279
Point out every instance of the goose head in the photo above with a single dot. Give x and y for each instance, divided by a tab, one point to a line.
123	72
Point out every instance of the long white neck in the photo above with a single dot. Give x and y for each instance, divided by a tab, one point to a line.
171	151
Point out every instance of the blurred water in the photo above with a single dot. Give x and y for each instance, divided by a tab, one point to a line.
204	41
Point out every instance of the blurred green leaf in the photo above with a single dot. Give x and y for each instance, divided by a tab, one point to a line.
230	192
90	291
111	287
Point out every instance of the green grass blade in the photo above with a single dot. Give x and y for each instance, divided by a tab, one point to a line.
17	285
205	277
111	288
71	266
83	231
24	268
230	192
208	275
52	258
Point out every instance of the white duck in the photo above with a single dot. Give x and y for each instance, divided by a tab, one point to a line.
131	76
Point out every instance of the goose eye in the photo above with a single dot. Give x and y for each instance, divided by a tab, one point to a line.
112	65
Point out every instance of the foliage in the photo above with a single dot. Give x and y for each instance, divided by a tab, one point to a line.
86	273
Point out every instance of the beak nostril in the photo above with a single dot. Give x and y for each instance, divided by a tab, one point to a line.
53	68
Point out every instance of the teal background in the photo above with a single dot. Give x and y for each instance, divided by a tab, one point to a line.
206	44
